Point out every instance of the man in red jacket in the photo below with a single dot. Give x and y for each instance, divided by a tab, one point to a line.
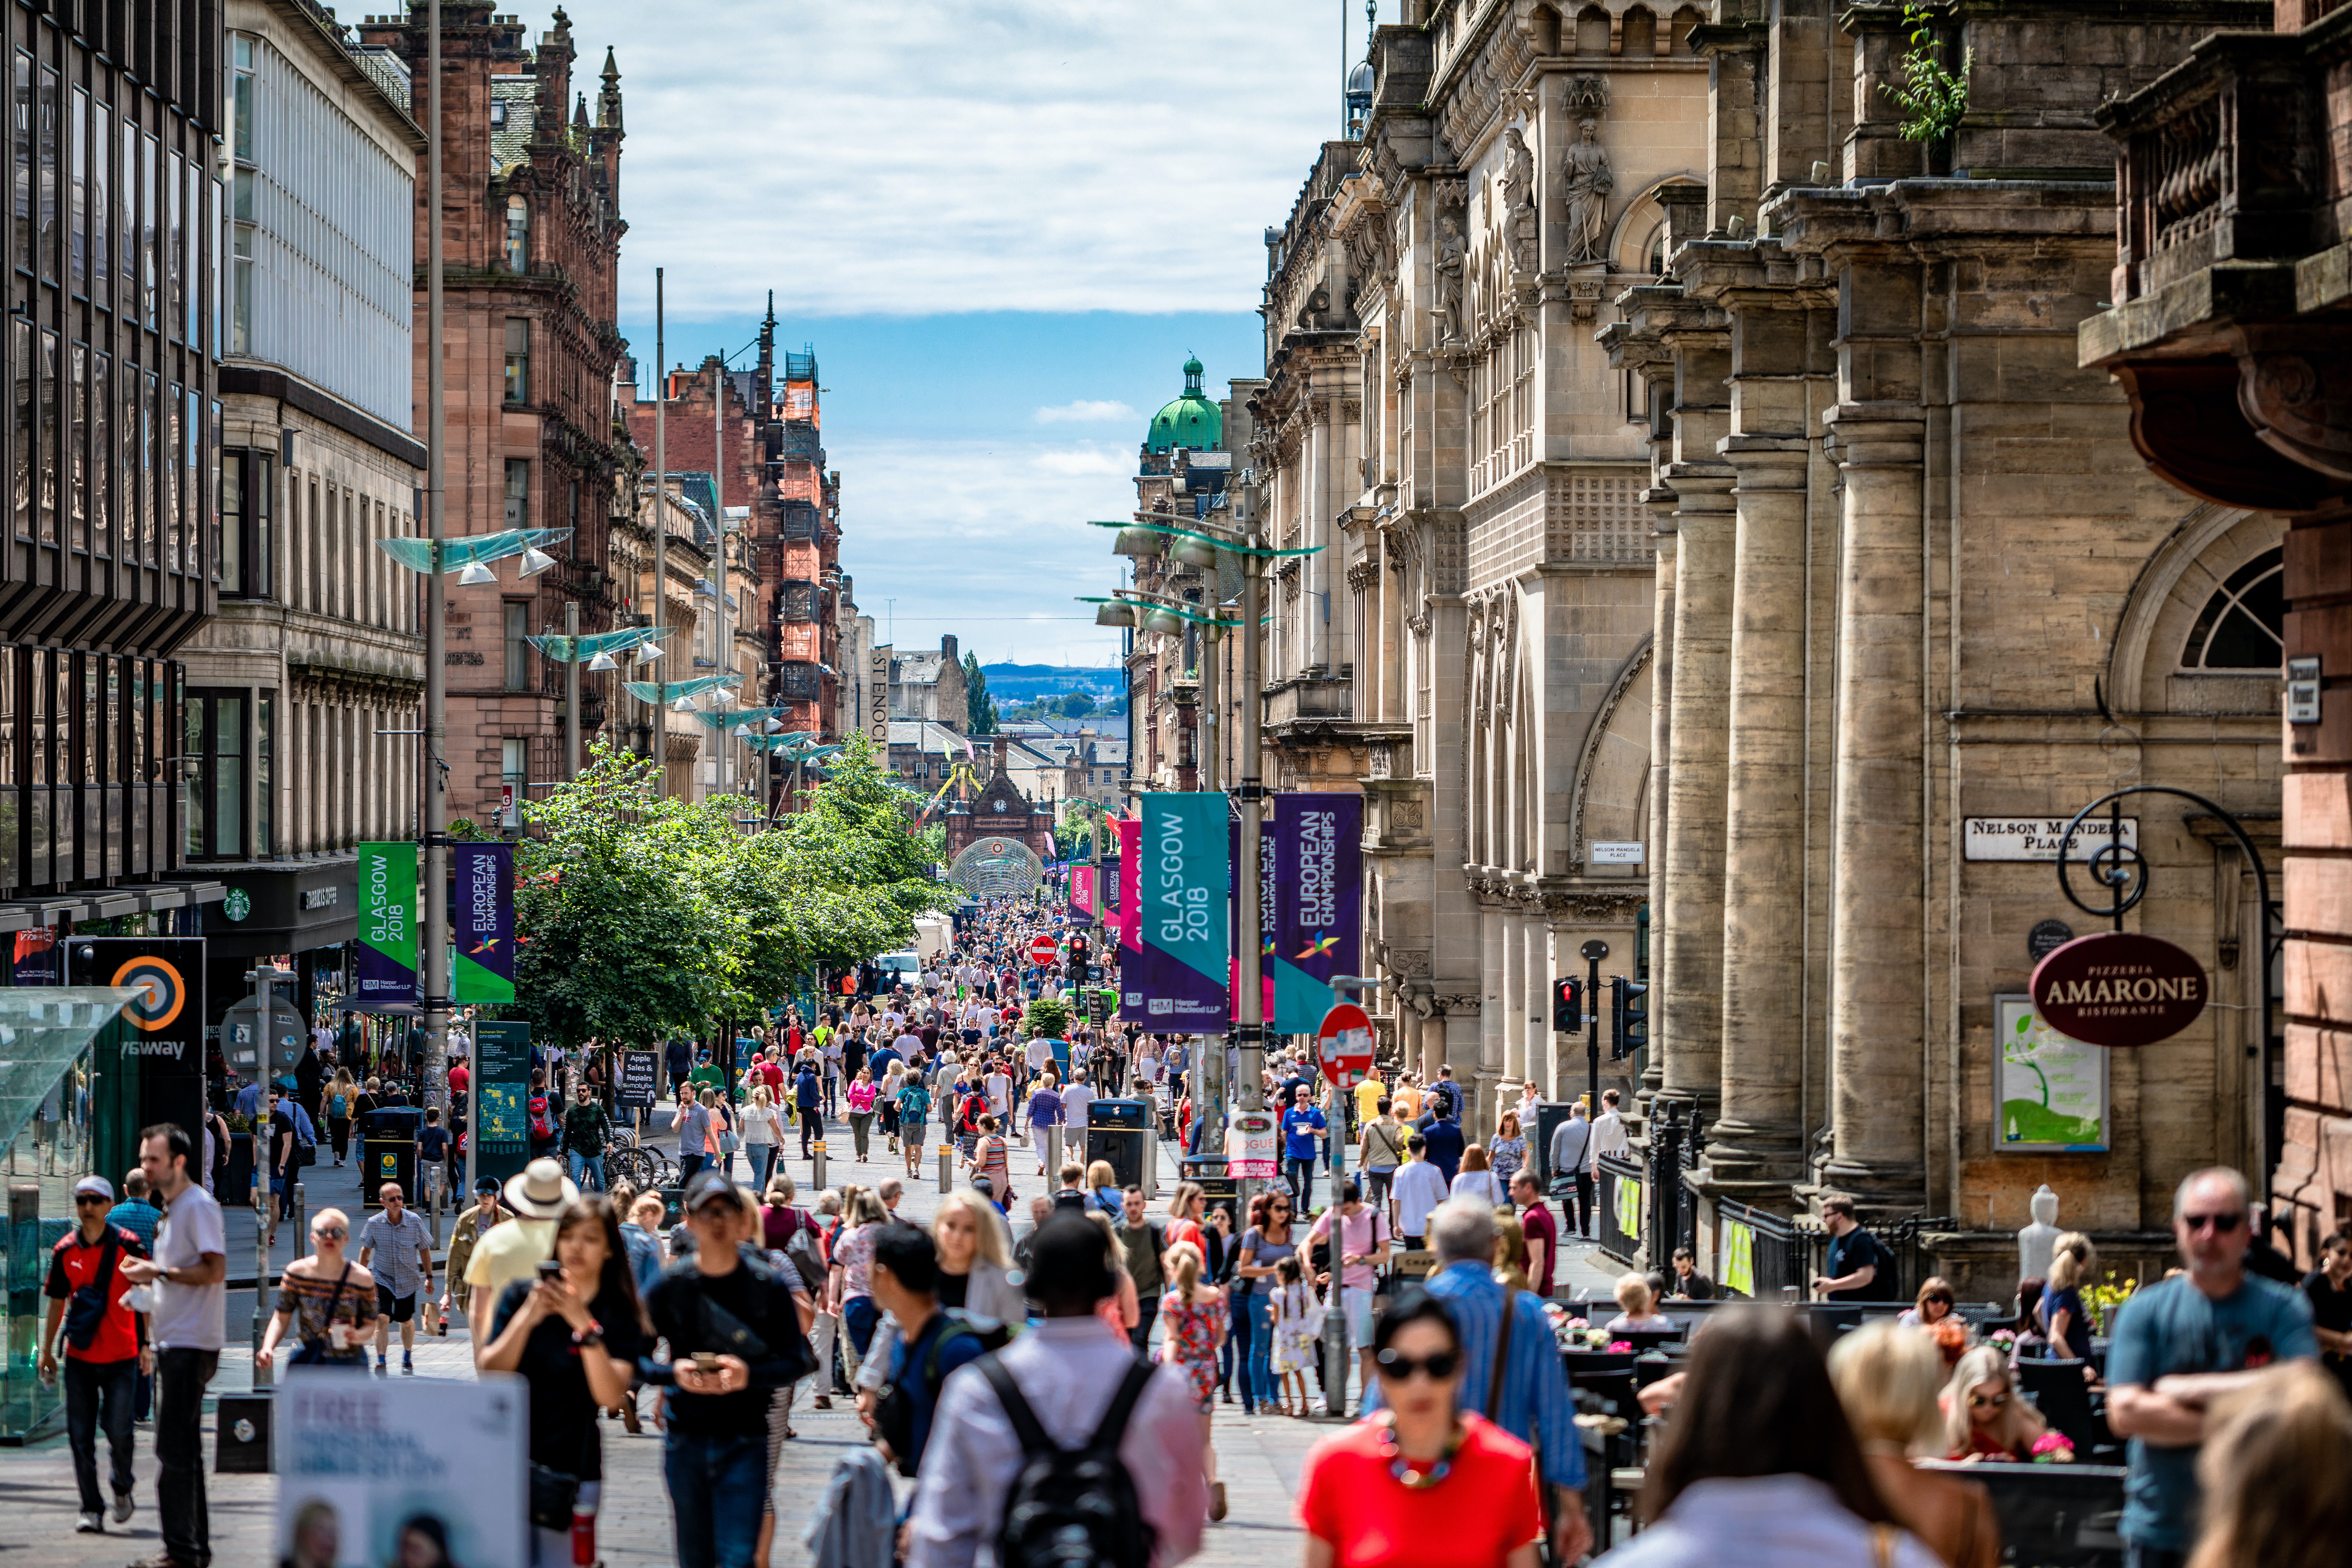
105	1348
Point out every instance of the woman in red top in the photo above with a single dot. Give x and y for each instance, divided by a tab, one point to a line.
1420	1484
1985	1415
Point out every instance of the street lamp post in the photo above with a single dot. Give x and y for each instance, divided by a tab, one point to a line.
661	533
435	825
571	693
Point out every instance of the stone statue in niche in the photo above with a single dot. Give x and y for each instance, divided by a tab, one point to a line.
1586	181
1448	309
1519	203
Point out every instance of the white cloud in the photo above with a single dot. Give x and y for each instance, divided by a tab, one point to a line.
916	156
1087	411
984	539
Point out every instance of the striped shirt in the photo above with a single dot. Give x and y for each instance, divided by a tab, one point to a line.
1536	1407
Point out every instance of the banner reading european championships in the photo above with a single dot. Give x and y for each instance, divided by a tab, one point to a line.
386	970
1318	855
484	970
1184	873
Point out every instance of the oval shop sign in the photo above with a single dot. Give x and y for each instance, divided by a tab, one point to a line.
2119	988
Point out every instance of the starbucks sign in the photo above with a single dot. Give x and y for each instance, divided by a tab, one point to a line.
238	905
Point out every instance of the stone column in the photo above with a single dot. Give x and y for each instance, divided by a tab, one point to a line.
1513	1023
1534	1002
1691	1004
1662	694
1757	1136
1492	1014
1877	977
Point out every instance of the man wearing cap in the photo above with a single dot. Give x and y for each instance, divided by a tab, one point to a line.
515	1250
463	1236
720	1380
101	1370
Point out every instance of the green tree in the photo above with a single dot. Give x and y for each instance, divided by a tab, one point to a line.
1048	1018
980	709
1078	704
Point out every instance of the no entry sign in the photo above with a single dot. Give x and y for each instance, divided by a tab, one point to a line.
1042	949
2119	988
1344	1044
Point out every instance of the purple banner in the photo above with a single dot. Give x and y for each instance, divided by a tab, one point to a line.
1184	884
484	970
1318	852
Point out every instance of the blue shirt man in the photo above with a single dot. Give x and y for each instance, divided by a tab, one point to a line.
2184	1342
1443	1137
1302	1127
248	1098
138	1217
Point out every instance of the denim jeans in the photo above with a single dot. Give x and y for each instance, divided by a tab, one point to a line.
100	1393
1148	1313
1259	1314
715	1490
180	1379
762	1158
1233	1356
859	1317
584	1166
1300	1174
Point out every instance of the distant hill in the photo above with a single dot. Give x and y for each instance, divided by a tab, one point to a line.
1011	683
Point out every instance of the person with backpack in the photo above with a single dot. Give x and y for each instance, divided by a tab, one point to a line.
544	1130
1065	1449
929	1343
105	1345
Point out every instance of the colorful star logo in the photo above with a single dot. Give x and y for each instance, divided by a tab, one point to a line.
1321	947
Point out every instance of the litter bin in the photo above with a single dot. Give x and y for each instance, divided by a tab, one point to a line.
1125	1133
388	1152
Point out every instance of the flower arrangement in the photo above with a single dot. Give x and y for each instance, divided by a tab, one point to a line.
2102	1299
1617	1347
1951	1337
2005	1337
1566	1331
2053	1447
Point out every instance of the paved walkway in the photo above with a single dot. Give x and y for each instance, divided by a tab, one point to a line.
1259	1457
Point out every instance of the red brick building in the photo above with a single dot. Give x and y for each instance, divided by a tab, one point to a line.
531	242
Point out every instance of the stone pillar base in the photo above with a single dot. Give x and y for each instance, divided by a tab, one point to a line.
1742	1151
1880	1189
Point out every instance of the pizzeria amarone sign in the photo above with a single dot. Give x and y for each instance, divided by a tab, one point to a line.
2120	989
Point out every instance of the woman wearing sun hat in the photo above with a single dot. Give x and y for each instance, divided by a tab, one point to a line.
514	1251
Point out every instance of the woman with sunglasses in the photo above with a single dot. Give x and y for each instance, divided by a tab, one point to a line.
1265	1242
1985	1415
327	1298
1421	1481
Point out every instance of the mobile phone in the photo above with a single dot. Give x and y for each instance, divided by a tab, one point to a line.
550	1268
705	1362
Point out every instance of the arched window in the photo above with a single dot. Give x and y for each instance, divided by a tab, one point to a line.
518	234
2244	624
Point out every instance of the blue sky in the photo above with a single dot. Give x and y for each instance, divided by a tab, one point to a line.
1003	228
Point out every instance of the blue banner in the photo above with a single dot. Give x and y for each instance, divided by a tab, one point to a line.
1318	852
1184	873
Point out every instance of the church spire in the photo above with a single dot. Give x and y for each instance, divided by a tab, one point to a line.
608	102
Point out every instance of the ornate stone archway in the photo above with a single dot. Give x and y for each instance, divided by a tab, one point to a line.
996	865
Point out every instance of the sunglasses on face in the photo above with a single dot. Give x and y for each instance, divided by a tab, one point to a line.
1440	1366
330	1233
2223	1224
81	1198
1988	1401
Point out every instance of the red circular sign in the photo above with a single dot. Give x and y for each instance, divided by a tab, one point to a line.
1042	949
2119	988
1344	1044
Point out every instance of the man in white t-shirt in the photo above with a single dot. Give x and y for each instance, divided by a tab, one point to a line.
998	1086
1075	1100
1038	1053
190	1269
1416	1191
1609	1135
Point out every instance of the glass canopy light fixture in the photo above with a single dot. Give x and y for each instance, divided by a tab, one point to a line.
534	562
602	661
1162	621
474	576
683	705
650	652
1115	615
1197	552
1142	543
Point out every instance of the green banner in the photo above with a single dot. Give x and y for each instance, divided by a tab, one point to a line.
388	922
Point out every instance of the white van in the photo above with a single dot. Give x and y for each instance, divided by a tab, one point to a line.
934	934
904	965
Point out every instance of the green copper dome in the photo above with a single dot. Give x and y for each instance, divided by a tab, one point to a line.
1191	421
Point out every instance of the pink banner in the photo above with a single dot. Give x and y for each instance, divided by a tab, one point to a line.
1082	893
1130	918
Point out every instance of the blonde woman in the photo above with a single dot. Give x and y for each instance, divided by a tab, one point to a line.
1886	1377
976	1279
2073	1263
2277	1474
1194	1323
763	1131
1985	1414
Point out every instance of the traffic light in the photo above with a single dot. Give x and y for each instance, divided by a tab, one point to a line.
1629	1006
1567	1005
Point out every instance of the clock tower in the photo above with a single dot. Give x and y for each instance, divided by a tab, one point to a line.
999	811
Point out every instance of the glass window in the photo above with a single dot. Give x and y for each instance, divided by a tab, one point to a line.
48	459
232	504
126	217
101	450
265	817
21	351
77	466
212	798
518	234
518	492
517	624
25	160
514	763
102	207
48	111
518	360
2244	624
171	489
151	193
79	266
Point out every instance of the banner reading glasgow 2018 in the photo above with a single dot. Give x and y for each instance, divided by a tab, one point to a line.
1184	871
1318	855
484	970
1130	940
387	901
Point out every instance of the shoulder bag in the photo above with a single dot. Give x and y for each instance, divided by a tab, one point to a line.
319	1354
86	1310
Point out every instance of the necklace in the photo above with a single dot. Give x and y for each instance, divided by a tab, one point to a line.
1406	1475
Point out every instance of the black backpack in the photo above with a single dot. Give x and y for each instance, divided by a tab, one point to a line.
1071	1508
